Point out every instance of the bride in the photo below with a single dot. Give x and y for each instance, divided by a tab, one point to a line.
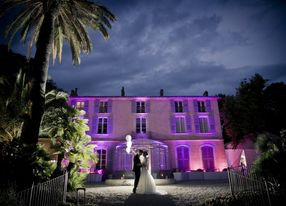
146	183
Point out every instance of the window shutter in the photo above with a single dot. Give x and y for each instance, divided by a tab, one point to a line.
172	106
189	123
133	106
196	105
148	106
109	125
186	106
85	108
197	124
173	124
94	125
208	106
212	123
109	106
96	106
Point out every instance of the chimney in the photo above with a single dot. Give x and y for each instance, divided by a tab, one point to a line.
206	93
74	92
122	92
161	92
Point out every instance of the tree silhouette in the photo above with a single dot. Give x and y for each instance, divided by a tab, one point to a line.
48	23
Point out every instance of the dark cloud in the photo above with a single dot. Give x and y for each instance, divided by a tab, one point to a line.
183	46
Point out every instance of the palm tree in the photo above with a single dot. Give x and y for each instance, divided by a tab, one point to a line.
48	23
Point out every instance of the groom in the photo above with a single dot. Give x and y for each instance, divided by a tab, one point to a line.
137	168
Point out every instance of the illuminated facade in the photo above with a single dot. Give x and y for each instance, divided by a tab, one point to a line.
181	133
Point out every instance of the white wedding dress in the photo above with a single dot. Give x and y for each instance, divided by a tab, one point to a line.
146	183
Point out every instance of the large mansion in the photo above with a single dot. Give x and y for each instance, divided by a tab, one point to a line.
181	133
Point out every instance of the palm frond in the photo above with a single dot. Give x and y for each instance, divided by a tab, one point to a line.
18	23
35	17
7	5
103	31
35	35
59	43
75	49
71	22
54	51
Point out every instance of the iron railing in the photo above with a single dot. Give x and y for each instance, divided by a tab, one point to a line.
50	193
253	189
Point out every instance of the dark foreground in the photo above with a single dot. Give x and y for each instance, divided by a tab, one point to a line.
185	193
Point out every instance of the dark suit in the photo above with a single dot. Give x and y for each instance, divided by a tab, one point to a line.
137	170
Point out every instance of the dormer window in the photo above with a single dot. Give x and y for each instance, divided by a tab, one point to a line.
201	106
179	106
140	107
103	107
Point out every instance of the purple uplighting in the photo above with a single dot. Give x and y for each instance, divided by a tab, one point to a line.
181	133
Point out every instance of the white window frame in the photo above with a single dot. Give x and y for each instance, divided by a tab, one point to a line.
101	125
141	128
201	106
180	124
99	165
79	105
179	106
140	107
103	107
204	125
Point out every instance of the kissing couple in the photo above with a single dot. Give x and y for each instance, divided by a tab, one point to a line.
144	183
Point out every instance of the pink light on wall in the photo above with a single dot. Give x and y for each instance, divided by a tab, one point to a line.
141	98
221	166
144	115
196	165
100	171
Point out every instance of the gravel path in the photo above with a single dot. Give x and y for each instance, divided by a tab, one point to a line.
186	193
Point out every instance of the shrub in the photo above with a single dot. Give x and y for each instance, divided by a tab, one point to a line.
8	196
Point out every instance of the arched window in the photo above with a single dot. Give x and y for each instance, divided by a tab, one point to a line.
159	158
123	160
183	158
208	158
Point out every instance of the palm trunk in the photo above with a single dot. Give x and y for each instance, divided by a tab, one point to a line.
30	131
31	126
58	171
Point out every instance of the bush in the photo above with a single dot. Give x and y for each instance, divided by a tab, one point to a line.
76	178
8	196
272	161
17	159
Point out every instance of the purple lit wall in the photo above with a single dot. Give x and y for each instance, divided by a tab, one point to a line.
191	122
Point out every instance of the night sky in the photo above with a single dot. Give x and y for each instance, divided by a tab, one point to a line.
182	46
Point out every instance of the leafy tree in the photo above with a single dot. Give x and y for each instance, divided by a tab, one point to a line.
272	161
254	109
67	130
50	22
16	156
243	114
13	66
274	107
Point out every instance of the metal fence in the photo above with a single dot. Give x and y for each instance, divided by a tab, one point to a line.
50	193
252	189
